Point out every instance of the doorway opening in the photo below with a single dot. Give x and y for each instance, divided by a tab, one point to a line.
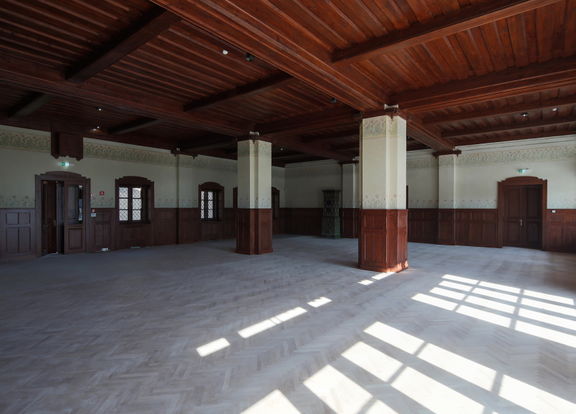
62	210
521	210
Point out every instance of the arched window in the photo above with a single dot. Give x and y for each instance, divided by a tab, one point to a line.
134	199
211	201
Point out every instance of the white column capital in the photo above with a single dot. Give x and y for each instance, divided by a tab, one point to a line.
383	162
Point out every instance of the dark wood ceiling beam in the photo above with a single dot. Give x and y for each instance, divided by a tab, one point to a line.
294	144
218	144
510	127
442	26
244	91
134	126
143	31
46	80
253	27
511	82
505	110
29	105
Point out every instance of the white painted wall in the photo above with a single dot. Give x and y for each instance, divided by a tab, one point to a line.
306	180
480	167
25	153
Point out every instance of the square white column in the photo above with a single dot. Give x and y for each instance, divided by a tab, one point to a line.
254	174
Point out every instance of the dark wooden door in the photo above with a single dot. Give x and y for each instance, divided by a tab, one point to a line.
523	216
73	217
51	217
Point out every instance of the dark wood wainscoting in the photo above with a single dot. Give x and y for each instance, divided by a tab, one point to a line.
165	226
383	241
306	221
254	231
477	227
350	222
423	225
17	237
189	225
560	233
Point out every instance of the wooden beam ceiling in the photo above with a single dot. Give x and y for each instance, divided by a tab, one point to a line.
301	124
441	26
29	105
502	111
244	91
511	82
141	32
134	126
352	133
515	137
46	80
241	24
509	127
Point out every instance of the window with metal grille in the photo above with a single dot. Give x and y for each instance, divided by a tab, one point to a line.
209	205
133	199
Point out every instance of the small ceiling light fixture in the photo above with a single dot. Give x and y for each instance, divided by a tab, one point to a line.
524	114
225	52
281	148
249	57
99	108
555	109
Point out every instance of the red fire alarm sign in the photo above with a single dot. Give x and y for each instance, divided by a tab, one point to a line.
101	193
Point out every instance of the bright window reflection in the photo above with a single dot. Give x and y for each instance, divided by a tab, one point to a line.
269	323
275	402
212	347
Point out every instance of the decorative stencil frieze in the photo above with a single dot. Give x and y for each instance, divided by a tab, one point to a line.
549	153
476	203
425	162
423	203
16	202
373	127
127	154
28	141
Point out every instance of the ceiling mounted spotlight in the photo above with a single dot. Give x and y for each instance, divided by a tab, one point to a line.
555	109
333	100
249	57
99	108
225	52
524	114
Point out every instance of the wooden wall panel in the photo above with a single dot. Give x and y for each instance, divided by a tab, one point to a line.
350	222
477	227
423	225
383	241
254	228
17	233
189	225
560	230
165	226
307	221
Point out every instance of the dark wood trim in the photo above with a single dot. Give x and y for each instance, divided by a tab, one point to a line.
350	219
67	178
17	233
521	181
134	126
29	105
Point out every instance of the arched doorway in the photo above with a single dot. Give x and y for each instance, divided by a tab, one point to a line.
521	211
62	212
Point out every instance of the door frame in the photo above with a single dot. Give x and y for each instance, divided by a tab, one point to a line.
521	181
65	177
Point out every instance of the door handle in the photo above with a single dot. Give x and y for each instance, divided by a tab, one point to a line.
521	223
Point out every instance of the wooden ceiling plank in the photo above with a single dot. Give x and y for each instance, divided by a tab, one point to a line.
43	79
441	26
134	126
530	135
510	127
29	105
146	29
505	110
242	25
511	82
244	91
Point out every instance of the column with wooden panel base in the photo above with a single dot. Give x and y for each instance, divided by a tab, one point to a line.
447	199
254	213
383	240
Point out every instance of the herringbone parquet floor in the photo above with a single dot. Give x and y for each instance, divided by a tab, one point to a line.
200	329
